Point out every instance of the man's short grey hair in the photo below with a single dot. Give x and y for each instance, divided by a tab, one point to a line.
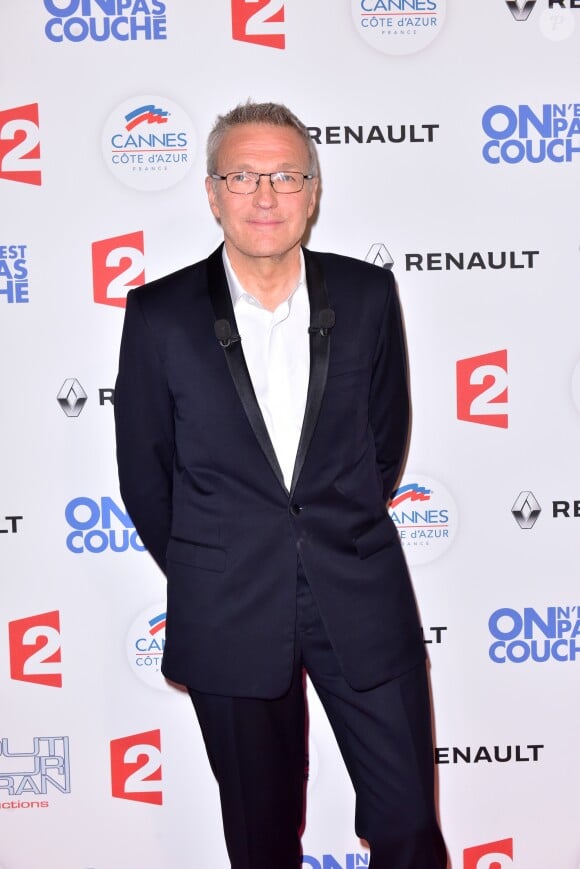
274	114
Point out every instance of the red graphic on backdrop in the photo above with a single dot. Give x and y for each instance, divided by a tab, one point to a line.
118	266
20	145
136	767
492	855
482	390
259	21
35	649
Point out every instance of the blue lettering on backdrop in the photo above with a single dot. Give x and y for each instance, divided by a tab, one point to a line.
398	5
13	274
167	140
351	861
531	135
530	635
94	532
101	20
108	7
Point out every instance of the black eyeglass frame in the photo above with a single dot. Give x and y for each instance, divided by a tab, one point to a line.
257	176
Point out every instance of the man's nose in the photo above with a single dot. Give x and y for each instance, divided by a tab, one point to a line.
265	194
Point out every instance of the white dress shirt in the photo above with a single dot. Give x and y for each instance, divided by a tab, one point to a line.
276	348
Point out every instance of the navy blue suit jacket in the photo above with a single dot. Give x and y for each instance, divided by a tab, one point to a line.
200	479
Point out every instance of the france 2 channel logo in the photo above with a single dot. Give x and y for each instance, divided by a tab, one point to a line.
482	389
118	266
20	145
259	21
35	654
136	767
492	855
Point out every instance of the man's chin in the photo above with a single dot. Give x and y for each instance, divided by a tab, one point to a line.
275	252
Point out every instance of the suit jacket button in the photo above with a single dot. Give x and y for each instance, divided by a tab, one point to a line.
295	509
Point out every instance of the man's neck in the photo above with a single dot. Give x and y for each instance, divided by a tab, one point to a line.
271	280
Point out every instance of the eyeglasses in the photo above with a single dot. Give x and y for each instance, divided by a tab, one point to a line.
248	182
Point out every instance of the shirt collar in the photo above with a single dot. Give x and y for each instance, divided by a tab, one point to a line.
237	291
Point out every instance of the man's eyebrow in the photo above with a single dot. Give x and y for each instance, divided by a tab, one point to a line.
248	167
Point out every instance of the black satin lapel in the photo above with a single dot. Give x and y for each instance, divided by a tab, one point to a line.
319	355
217	283
221	301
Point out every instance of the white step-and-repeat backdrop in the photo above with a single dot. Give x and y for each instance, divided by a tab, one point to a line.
449	138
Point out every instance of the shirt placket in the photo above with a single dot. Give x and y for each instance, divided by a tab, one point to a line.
280	398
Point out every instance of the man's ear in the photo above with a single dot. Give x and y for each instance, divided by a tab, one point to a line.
210	187
313	196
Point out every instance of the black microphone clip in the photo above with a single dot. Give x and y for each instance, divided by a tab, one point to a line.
224	334
326	321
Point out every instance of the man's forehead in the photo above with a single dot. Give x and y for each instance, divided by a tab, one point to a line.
263	138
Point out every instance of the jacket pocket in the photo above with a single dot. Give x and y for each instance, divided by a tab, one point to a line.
375	538
196	555
352	365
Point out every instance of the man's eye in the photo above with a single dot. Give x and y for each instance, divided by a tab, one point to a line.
283	177
240	177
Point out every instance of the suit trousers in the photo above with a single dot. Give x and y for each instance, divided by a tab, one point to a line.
257	751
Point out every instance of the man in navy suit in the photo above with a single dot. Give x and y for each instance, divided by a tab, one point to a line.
262	417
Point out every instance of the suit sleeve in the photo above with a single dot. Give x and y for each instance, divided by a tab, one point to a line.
144	432
389	393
